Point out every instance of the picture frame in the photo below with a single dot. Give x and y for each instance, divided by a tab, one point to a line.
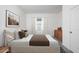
12	20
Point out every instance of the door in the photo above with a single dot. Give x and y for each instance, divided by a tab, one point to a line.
74	30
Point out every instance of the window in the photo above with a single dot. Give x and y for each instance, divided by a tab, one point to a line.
39	25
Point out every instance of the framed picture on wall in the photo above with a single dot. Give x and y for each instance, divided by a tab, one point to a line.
12	20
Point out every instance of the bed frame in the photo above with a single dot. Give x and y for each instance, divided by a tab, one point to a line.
35	49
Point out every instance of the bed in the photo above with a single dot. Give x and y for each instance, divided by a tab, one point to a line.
22	46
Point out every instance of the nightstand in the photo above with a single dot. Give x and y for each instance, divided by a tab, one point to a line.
4	49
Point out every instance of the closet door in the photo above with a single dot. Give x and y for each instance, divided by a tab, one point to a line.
74	30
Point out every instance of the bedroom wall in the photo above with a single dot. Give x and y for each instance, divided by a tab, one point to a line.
15	9
52	21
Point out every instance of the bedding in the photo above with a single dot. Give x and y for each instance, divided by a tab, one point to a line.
39	40
21	42
25	42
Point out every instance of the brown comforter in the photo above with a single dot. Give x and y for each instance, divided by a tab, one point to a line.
39	40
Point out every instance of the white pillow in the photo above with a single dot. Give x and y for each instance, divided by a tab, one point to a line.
9	37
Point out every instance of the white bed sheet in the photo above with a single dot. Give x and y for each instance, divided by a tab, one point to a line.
25	42
53	42
21	42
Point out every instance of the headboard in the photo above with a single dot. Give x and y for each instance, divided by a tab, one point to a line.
8	36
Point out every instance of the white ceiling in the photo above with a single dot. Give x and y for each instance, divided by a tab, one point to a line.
41	8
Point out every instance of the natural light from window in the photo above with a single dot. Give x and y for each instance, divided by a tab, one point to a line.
39	25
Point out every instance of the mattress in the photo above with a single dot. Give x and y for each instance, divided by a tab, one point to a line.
25	42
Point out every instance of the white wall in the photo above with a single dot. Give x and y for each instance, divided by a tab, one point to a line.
66	26
14	9
52	21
